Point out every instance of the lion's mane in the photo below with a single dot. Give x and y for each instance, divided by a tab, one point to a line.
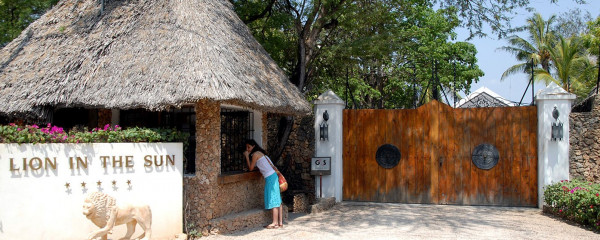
102	205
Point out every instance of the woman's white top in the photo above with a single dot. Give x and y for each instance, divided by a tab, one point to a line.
264	166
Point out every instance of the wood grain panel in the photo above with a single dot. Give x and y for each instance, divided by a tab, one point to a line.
430	175
532	156
436	143
371	180
349	151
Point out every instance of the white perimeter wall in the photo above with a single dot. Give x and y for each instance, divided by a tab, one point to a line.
332	184
36	204
553	155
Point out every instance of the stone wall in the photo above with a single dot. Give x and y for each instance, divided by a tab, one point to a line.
238	193
295	160
585	144
214	202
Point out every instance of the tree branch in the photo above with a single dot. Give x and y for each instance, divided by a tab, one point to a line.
267	9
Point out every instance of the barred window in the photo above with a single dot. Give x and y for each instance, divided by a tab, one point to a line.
184	119
236	126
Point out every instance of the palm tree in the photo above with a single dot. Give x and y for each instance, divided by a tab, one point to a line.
588	75
569	62
536	48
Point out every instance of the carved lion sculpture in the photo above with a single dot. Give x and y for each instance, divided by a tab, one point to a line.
103	211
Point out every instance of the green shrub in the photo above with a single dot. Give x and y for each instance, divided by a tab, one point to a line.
575	200
13	133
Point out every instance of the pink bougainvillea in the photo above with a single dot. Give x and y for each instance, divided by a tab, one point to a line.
575	200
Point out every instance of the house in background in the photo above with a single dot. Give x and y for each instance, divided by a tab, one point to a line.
192	65
484	97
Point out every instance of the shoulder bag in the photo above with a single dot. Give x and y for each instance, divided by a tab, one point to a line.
283	185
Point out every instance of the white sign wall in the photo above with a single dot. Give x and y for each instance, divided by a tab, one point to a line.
43	186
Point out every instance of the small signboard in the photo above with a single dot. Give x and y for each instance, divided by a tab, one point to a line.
320	166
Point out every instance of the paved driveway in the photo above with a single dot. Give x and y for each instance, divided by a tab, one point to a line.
351	220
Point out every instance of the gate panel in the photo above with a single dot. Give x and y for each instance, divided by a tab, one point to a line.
531	172
436	143
450	182
349	168
431	137
395	184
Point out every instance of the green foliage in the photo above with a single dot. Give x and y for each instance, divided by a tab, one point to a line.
565	60
592	37
274	30
382	48
536	46
386	50
497	15
572	23
52	134
570	63
575	200
193	232
16	15
590	69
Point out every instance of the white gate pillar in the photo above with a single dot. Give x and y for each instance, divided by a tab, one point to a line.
332	147
553	154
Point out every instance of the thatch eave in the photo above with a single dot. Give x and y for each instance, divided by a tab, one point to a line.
151	54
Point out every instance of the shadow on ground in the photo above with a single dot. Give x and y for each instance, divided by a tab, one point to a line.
382	220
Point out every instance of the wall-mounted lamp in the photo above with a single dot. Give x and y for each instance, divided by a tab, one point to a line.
557	126
324	127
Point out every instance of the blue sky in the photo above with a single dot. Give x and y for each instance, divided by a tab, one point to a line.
494	62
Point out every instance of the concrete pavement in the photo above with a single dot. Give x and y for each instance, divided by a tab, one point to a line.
355	220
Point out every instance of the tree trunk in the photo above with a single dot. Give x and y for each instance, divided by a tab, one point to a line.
286	123
285	128
299	76
308	34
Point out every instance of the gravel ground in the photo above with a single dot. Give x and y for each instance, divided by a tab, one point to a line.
352	220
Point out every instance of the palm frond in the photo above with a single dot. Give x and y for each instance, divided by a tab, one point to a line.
541	75
518	68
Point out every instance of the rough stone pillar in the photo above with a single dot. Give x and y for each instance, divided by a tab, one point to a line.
201	189
332	185
553	155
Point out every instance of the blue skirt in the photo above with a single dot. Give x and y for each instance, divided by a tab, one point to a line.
272	194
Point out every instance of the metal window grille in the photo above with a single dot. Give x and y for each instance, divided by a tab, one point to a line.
183	119
236	127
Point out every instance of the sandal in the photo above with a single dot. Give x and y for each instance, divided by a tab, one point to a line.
271	226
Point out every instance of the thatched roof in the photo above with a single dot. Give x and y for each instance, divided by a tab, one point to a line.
151	54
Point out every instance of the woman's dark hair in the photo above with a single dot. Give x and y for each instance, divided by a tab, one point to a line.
256	147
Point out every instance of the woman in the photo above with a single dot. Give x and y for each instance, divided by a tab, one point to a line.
256	156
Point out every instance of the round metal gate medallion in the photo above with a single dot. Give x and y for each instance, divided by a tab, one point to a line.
485	156
387	156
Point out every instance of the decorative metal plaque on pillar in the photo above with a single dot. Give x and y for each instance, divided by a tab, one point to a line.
485	156
387	156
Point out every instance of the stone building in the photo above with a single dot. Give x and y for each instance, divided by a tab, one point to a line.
191	65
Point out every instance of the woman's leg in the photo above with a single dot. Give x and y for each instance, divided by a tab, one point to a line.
275	216
281	215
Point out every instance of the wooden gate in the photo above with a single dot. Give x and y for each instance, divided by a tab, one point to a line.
436	144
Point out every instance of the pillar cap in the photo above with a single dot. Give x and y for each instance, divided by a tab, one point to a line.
554	92
329	97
